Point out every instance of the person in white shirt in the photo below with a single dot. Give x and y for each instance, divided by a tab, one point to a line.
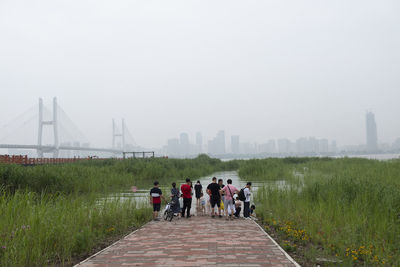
247	194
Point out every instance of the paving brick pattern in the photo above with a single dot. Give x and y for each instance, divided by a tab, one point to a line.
197	241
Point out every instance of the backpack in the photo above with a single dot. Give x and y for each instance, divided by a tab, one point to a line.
241	195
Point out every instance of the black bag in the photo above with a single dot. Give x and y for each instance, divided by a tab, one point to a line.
242	197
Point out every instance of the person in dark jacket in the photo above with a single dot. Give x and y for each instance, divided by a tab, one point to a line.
175	195
198	188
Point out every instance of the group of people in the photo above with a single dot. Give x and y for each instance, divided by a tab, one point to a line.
227	199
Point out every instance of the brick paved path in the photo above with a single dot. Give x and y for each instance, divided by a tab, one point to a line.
198	241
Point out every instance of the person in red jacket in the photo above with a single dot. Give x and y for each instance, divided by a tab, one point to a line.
187	198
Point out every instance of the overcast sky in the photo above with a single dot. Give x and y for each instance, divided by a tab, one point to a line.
259	69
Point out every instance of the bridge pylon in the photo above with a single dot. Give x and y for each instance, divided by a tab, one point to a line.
116	134
54	123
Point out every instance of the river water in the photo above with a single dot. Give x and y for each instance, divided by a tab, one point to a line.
141	196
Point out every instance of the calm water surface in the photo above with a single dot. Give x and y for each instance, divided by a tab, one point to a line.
141	196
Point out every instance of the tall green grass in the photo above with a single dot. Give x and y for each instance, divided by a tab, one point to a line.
41	230
52	215
350	207
105	175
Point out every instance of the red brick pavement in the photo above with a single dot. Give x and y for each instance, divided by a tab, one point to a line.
198	241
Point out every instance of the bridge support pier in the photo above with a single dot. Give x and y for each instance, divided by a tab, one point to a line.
42	123
116	134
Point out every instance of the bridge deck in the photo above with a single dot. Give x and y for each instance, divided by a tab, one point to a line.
198	241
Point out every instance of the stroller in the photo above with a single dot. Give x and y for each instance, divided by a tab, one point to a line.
169	211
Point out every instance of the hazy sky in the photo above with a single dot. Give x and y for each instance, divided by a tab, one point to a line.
260	69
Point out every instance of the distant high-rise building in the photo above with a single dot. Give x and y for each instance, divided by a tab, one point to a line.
235	144
372	135
396	144
184	144
248	148
269	147
199	143
173	147
220	142
333	147
217	145
302	145
284	146
323	146
199	139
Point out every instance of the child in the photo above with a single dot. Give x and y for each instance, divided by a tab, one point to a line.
208	208
238	206
155	199
202	204
252	213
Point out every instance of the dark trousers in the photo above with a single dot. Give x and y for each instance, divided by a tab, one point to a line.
237	213
246	212
187	204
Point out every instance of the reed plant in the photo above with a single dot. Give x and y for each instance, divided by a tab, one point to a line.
54	215
348	207
105	175
46	230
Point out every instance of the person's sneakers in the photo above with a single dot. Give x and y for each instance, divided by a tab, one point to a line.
212	216
187	217
220	216
156	219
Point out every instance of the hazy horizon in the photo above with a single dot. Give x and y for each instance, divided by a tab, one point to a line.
261	69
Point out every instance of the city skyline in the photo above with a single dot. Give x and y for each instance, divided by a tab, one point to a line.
220	145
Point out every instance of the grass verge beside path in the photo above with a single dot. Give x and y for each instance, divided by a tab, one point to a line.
51	216
41	230
342	212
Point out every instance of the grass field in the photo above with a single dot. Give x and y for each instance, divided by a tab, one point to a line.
346	210
50	215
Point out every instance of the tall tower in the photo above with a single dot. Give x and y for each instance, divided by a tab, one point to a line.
117	134
54	123
372	135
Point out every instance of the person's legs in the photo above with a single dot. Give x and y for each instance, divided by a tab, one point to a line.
177	207
230	209
238	210
246	209
218	202
189	205
156	209
226	207
184	207
212	205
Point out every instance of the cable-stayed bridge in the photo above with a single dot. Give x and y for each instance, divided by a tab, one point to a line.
54	132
